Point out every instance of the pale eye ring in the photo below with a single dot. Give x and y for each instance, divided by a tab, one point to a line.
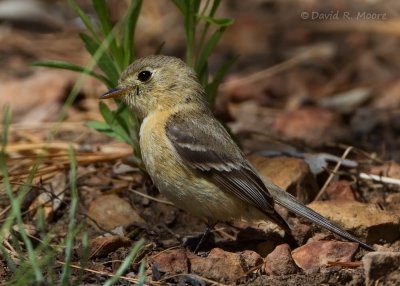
145	75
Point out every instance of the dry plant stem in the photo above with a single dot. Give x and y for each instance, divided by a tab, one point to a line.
378	178
39	147
212	282
165	250
3	212
32	210
82	159
133	280
252	270
11	251
39	177
221	231
152	198
332	174
46	126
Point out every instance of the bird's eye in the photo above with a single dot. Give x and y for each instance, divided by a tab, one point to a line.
144	76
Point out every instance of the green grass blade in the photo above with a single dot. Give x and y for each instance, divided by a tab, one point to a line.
6	257
221	22
6	127
203	75
104	20
98	125
207	50
107	130
84	259
180	4
107	114
141	274
125	264
129	28
105	62
159	48
214	8
84	17
212	88
125	114
191	8
16	203
72	227
111	119
73	67
106	27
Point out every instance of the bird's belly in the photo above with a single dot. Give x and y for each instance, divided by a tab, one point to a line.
184	187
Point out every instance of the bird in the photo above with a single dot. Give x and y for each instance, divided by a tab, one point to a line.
190	156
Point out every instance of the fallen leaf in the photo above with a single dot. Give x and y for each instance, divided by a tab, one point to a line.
102	246
317	253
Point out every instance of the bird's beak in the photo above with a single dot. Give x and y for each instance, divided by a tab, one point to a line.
114	93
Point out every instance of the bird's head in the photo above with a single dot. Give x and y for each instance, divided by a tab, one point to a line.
156	83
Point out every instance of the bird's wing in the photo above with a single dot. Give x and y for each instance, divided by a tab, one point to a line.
204	145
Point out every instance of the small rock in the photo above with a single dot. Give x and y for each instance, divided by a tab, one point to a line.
101	246
251	259
280	261
220	265
172	262
382	268
364	220
110	211
291	174
340	191
311	256
301	232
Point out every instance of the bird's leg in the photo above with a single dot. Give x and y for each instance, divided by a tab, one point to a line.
205	235
194	243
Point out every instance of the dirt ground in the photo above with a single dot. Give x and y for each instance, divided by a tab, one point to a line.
315	82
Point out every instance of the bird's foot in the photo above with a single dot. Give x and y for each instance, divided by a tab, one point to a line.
202	242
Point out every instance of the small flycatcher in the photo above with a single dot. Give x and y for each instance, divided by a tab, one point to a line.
189	155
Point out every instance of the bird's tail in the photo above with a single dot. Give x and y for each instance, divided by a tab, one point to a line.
278	219
289	202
